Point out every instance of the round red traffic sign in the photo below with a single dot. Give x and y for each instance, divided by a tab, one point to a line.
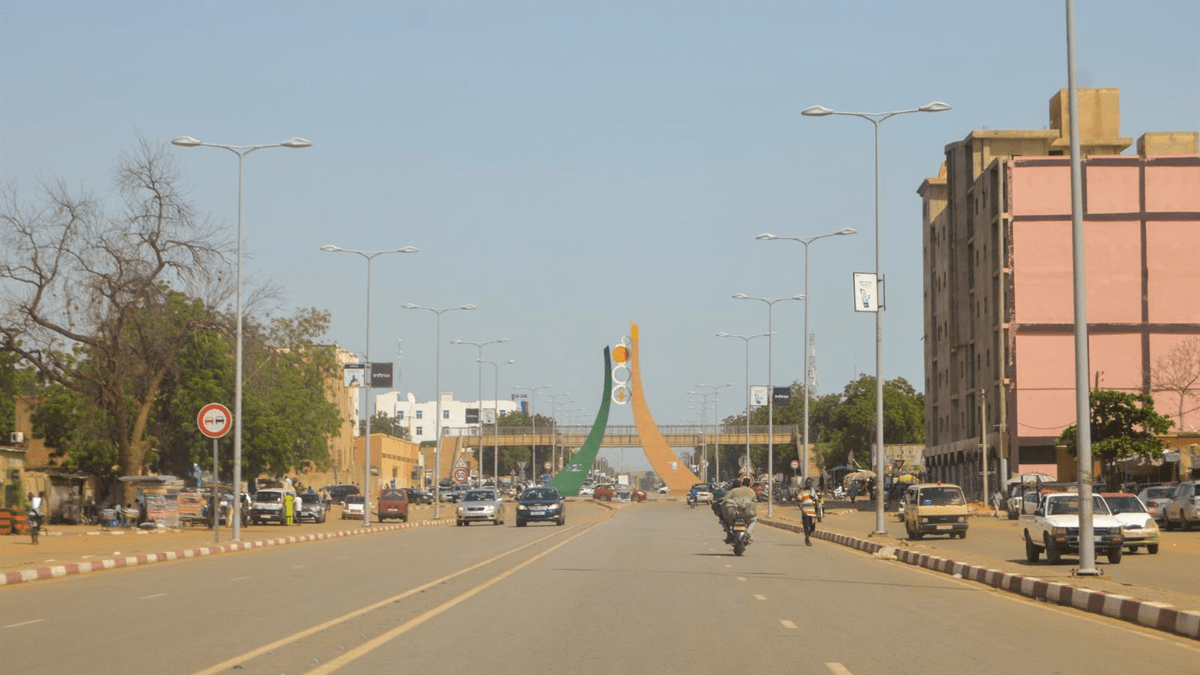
460	475
214	420
795	464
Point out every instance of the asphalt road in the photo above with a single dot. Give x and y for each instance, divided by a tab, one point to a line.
646	588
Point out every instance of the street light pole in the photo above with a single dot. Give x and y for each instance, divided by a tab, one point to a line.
437	395
241	151
716	394
367	375
495	422
770	302
479	413
807	366
746	339
555	406
533	418
876	119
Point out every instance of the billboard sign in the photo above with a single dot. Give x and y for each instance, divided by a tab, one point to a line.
381	375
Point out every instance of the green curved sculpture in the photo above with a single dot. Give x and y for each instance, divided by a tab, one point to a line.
570	479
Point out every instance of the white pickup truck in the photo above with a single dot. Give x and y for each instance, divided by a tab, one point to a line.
1053	527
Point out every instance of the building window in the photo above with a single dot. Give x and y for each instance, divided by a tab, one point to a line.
420	414
445	431
420	432
445	414
399	414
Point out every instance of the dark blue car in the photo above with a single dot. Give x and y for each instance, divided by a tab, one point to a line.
541	503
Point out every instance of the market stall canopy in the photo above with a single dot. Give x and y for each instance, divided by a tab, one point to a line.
864	474
1031	478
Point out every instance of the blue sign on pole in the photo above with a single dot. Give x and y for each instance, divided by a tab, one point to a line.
545	479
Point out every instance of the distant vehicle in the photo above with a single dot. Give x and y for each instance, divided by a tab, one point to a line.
1053	528
664	490
268	506
353	507
586	490
935	508
1184	508
480	504
604	492
418	496
1137	526
700	493
338	493
392	504
1155	498
541	504
629	494
312	509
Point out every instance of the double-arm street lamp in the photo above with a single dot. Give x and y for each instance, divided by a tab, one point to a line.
533	418
555	408
716	394
770	303
807	349
367	375
479	413
876	119
746	338
437	395
496	421
241	151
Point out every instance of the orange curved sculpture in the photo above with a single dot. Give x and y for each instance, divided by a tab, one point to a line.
662	458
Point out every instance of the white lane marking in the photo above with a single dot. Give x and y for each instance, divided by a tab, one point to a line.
239	578
838	668
24	623
741	578
156	595
787	624
760	597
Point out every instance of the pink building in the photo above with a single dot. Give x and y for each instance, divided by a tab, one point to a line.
999	347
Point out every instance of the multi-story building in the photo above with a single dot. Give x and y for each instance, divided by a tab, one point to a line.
998	281
418	416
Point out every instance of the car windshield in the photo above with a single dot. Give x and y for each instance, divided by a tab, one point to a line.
480	496
264	497
392	495
1127	504
941	496
540	493
354	499
1159	492
1070	506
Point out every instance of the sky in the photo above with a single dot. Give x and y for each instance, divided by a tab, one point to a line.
570	168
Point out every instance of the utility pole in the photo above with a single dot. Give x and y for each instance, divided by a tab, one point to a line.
983	429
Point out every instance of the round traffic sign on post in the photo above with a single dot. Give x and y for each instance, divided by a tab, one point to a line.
546	466
795	464
460	475
214	420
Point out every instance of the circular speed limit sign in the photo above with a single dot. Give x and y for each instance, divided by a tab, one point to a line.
214	420
795	464
460	475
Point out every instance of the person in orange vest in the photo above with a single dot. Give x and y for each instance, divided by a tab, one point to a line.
808	511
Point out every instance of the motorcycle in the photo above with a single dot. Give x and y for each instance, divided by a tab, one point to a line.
739	532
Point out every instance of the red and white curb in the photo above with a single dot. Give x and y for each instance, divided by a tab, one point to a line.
1155	615
53	571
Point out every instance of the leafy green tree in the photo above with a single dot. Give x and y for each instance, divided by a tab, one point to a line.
382	423
1122	425
15	380
511	456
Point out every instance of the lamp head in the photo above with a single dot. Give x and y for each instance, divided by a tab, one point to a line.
816	111
457	342
847	230
723	334
799	297
502	340
297	142
467	307
935	106
330	247
185	141
408	249
766	236
740	296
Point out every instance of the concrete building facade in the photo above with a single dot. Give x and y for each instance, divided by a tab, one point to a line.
418	416
998	290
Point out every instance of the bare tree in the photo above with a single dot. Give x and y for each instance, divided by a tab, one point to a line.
1178	372
103	303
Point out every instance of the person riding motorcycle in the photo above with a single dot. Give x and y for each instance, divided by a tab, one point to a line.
743	498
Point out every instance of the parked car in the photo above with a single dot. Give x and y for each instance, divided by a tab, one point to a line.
1053	528
480	504
935	508
353	506
453	493
1138	528
629	494
418	496
1184	508
392	504
312	508
700	493
604	492
269	506
664	490
1155	498
541	504
337	493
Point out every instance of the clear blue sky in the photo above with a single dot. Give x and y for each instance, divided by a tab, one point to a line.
570	167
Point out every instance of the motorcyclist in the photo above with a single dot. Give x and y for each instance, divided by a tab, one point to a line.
742	497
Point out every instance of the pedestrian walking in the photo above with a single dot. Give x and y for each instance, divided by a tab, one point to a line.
35	525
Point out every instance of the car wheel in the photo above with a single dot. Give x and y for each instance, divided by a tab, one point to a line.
1032	554
962	535
1152	549
1133	549
1053	555
404	519
562	520
497	522
1167	524
1184	523
1114	555
1012	515
520	523
458	523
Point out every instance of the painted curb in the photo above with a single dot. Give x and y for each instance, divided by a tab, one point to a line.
55	571
1155	615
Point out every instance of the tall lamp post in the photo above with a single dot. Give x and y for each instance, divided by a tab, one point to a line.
496	422
746	339
876	119
241	151
533	418
437	395
807	355
770	303
555	406
369	255
480	346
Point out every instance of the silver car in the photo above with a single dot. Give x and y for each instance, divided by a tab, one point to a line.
482	504
1184	508
1155	498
